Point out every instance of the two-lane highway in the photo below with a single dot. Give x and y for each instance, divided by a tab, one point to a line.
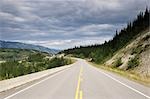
83	81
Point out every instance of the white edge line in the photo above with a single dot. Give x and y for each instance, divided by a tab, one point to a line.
123	84
8	97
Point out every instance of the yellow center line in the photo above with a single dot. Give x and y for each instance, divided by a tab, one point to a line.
79	93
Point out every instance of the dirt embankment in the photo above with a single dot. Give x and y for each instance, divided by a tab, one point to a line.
135	57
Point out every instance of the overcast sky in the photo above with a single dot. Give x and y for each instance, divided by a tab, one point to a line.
64	24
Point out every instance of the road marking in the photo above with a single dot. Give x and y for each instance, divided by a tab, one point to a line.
123	84
8	97
81	94
78	91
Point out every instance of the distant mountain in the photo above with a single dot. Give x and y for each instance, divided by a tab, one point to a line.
18	45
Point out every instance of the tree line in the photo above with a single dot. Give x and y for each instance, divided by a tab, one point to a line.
28	63
101	52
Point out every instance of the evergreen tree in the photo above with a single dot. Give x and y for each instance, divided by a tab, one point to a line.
100	53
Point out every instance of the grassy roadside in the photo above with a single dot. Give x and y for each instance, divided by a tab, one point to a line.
126	74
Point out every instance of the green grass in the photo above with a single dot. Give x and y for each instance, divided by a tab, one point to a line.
128	74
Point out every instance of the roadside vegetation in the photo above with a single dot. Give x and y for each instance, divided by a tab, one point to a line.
117	63
17	62
134	62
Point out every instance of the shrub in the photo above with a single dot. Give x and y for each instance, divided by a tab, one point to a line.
38	57
134	62
139	49
118	62
11	69
56	62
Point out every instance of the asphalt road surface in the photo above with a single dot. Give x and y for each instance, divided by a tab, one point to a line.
83	81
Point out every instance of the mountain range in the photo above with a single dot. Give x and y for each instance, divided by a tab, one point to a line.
19	45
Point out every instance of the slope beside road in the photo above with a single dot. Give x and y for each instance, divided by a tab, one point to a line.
82	81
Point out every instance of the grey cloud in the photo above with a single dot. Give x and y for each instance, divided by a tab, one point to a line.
75	20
